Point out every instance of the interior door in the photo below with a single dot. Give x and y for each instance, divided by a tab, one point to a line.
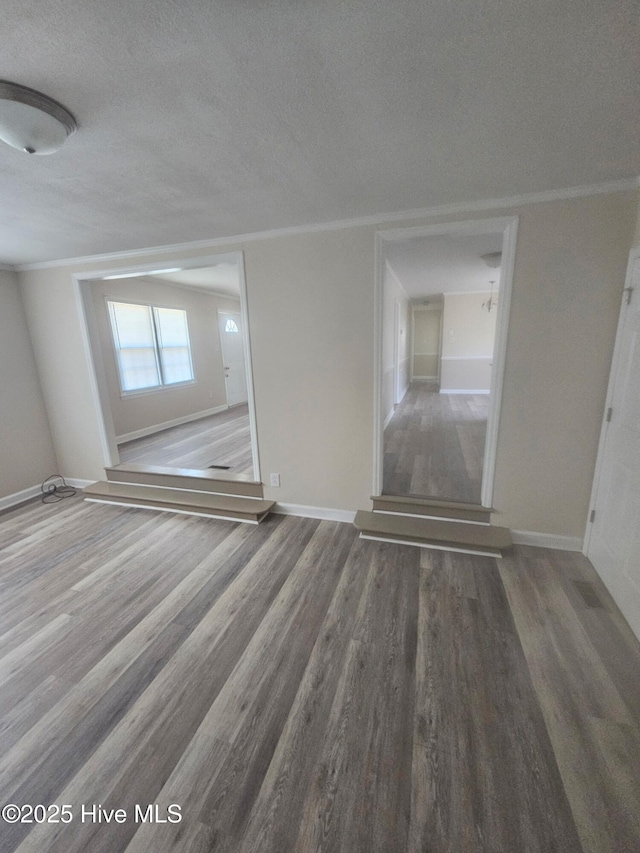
235	374
613	544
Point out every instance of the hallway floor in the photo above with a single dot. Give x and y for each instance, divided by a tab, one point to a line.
434	445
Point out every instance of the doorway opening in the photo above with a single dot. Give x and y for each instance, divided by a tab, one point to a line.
442	309
169	391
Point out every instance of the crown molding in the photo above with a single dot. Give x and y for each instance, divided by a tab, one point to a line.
8	268
339	224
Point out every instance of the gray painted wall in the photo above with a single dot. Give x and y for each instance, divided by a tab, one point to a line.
26	447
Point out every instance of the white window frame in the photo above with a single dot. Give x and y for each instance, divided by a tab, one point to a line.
152	389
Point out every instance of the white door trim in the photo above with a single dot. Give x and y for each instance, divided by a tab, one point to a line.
396	352
634	256
251	400
509	227
82	289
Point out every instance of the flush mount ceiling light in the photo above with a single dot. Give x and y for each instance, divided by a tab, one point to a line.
32	122
492	259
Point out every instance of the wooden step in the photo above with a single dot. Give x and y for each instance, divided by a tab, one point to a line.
431	508
250	510
194	479
430	533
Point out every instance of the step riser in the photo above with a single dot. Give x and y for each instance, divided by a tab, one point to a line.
459	549
439	534
185	487
169	508
432	517
164	498
193	484
426	510
433	509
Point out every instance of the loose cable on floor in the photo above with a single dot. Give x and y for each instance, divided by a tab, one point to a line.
55	488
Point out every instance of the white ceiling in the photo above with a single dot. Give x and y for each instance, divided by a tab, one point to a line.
447	263
223	278
204	119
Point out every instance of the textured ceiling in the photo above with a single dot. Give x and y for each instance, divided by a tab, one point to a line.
448	263
201	119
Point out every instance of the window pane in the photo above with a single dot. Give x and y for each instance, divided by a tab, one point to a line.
172	327
132	328
138	368
173	342
176	364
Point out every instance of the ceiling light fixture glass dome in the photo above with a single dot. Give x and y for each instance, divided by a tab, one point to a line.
32	122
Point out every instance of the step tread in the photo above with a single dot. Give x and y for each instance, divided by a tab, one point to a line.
197	473
441	531
432	502
178	497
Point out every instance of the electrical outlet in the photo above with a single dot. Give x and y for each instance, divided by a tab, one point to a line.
274	480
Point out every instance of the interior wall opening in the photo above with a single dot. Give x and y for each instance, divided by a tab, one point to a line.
443	299
171	358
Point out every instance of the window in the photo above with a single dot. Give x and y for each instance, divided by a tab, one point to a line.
231	326
152	345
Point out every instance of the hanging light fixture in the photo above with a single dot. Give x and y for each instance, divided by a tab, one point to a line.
32	122
490	302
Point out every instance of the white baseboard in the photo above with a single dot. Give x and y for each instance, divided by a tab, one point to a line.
388	418
404	391
20	497
424	378
324	513
36	491
465	391
141	433
546	540
75	483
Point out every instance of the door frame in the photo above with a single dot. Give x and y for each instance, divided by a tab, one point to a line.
396	352
415	309
634	257
88	329
509	227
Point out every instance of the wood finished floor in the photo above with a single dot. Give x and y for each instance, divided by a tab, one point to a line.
296	689
434	445
222	439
